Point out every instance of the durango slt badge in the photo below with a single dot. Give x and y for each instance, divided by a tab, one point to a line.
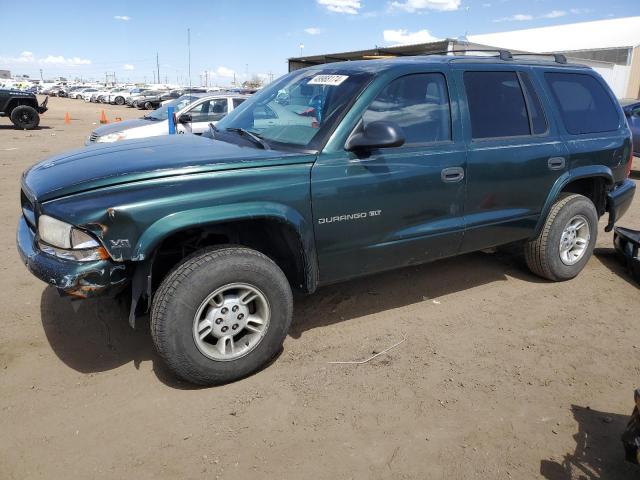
349	216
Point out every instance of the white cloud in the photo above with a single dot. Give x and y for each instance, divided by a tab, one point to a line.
417	5
59	60
50	60
341	6
128	66
24	57
518	17
313	30
222	72
554	14
580	11
124	18
403	37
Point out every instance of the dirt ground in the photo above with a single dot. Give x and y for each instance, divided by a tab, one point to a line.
502	375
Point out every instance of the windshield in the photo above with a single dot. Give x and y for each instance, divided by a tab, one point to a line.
300	108
177	104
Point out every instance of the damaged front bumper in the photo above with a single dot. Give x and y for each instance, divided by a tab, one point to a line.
77	279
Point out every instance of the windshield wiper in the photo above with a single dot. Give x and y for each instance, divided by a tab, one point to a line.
256	139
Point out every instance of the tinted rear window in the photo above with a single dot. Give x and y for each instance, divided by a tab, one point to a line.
584	104
496	105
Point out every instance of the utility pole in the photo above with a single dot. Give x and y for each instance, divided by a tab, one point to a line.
189	48
154	76
41	77
158	66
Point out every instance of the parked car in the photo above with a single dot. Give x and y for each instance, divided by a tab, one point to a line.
117	96
135	93
55	91
77	93
632	111
87	93
194	113
152	100
406	161
22	108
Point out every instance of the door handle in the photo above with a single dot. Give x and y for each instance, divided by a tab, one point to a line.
556	163
452	174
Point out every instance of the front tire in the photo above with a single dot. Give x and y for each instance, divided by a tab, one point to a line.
119	101
221	315
25	117
567	239
148	106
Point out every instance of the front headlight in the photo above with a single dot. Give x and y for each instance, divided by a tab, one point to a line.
111	137
66	241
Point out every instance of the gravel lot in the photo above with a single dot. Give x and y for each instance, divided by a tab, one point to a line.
502	375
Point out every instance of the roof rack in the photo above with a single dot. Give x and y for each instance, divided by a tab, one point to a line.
507	55
557	57
502	54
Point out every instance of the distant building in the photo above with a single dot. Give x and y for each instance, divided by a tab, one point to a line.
5	74
611	47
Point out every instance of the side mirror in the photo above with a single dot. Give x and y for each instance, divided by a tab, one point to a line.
184	118
379	134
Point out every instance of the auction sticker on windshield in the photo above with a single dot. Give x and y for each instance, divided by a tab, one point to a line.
333	80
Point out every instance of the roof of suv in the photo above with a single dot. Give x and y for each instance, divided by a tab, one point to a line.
390	63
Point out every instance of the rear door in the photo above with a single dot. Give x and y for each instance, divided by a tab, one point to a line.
594	127
393	206
515	154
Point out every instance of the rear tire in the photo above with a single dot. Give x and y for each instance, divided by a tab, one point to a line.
567	239
119	101
210	293
25	117
148	106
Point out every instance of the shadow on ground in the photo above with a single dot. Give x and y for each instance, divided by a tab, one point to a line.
94	335
610	259
599	453
12	127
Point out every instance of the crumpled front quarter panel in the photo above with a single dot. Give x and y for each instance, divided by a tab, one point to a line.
131	219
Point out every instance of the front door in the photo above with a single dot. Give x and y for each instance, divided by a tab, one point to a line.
204	113
393	206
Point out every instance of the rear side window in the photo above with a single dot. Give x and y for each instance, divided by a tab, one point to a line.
584	104
418	103
496	105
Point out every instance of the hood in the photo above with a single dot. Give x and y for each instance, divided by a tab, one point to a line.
103	165
14	91
124	125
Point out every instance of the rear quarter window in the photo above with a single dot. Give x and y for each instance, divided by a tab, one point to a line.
584	104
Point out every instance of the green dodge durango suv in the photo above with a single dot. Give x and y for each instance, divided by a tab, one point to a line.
330	173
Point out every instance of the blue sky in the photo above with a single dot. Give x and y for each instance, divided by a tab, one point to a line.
87	39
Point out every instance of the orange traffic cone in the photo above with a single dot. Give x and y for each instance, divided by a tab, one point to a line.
103	118
67	119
